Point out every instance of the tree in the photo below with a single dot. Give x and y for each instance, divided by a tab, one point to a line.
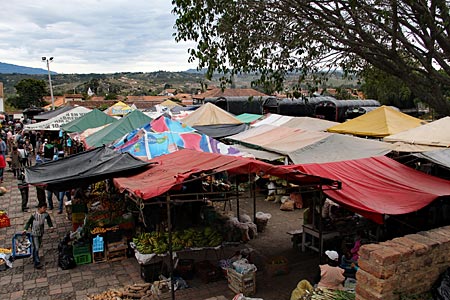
406	39
387	89
30	92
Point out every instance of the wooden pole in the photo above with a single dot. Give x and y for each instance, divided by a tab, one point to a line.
169	225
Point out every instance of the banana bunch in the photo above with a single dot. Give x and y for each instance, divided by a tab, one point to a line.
156	242
5	250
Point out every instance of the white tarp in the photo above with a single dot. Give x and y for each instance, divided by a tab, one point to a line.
55	123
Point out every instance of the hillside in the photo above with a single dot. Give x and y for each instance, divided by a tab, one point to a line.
15	69
139	83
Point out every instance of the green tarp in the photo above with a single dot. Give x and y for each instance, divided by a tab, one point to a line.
248	118
92	119
116	130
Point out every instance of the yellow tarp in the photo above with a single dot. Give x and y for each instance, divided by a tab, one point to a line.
118	109
380	122
169	103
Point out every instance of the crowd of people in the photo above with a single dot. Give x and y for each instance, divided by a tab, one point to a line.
21	148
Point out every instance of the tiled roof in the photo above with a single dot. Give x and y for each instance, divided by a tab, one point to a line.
217	92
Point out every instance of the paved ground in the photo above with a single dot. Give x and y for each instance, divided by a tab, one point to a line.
24	282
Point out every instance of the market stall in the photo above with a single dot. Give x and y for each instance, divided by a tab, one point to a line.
179	179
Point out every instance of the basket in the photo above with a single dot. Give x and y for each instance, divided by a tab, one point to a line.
15	253
261	224
278	265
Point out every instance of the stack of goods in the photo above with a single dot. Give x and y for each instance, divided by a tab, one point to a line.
242	230
5	254
278	193
242	277
4	220
135	291
157	242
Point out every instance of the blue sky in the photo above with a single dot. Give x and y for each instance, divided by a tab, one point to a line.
92	36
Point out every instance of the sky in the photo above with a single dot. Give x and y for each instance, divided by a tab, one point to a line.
92	36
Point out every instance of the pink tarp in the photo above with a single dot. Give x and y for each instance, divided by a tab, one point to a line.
377	186
172	169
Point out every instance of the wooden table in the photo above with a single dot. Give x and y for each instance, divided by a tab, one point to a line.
309	230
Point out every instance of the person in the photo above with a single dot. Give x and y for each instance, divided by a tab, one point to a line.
39	159
30	151
3	148
50	198
2	167
331	276
24	190
15	161
37	222
349	265
23	156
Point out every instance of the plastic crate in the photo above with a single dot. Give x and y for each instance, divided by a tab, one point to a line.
14	249
79	249
83	259
97	244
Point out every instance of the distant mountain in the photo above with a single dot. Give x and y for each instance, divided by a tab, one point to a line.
14	69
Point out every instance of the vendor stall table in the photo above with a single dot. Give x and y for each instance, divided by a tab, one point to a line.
314	233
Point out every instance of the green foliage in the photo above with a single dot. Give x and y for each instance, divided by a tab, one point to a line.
276	38
111	96
386	88
30	92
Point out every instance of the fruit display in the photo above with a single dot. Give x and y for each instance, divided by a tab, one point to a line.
5	250
157	242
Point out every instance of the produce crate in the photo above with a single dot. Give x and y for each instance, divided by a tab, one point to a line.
117	251
151	272
241	283
16	237
79	249
277	266
185	268
82	259
207	271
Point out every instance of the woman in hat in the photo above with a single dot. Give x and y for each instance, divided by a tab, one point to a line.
331	275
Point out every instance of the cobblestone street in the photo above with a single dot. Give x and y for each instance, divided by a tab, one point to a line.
23	281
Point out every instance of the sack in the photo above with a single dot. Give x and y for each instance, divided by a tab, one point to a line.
287	206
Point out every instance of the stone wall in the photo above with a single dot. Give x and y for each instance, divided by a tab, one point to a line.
403	266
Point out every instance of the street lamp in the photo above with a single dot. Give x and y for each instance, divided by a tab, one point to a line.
49	78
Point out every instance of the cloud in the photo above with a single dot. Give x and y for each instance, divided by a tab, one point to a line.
92	36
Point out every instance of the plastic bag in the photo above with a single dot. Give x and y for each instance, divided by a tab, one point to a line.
242	297
441	288
244	218
66	261
302	288
263	216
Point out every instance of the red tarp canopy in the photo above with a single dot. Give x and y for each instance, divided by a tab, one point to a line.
376	186
172	169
